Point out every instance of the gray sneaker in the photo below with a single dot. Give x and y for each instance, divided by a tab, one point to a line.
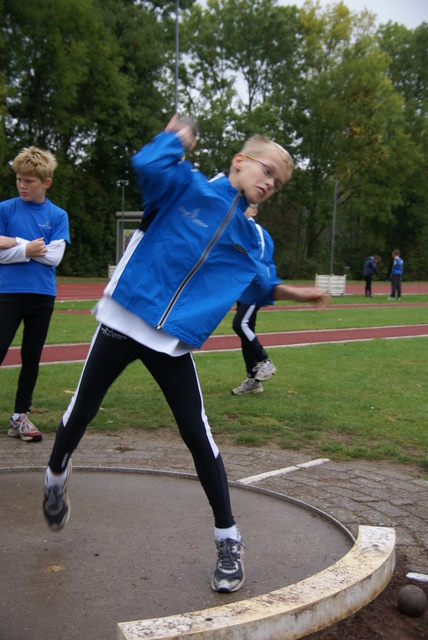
229	573
250	385
264	370
56	505
23	428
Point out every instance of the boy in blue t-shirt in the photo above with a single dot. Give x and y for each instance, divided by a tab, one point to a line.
33	236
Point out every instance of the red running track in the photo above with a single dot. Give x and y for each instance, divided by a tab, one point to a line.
78	352
88	291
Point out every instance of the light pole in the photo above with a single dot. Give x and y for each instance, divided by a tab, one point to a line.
123	184
333	233
177	10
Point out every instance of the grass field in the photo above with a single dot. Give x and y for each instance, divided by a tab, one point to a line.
344	401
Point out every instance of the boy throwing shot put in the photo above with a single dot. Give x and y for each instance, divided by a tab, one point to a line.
191	258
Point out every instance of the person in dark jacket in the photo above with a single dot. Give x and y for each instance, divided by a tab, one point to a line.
190	260
370	269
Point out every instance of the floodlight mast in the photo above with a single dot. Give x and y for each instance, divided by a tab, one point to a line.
333	231
177	11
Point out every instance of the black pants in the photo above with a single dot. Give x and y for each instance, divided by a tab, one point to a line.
35	310
368	289
244	325
109	354
396	285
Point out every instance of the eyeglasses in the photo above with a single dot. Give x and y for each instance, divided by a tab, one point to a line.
268	173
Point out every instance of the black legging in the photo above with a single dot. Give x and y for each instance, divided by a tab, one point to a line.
109	354
368	288
35	311
244	325
396	285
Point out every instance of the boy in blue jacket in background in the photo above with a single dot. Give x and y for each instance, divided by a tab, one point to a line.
191	258
396	274
257	363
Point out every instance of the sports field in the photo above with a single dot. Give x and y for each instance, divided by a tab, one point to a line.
364	398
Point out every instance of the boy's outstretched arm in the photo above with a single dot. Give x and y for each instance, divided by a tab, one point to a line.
301	294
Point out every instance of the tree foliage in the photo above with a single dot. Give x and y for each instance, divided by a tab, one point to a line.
93	81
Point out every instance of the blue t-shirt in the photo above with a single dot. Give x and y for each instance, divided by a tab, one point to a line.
397	266
30	220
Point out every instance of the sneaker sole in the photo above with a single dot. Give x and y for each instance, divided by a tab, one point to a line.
31	438
243	393
226	590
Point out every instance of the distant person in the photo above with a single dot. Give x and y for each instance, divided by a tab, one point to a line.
256	360
186	265
370	269
395	274
33	236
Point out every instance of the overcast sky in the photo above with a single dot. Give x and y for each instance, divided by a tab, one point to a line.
411	13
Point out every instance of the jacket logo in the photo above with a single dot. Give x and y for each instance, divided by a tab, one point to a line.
193	216
241	249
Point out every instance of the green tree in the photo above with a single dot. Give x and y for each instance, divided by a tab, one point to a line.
85	79
408	72
236	53
350	125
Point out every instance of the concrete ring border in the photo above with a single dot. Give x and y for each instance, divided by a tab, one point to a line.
296	611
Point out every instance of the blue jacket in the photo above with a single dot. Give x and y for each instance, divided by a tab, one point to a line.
266	258
198	252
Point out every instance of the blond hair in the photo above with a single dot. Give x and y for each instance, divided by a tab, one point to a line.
32	161
259	143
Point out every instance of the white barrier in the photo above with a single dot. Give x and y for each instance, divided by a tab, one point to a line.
334	285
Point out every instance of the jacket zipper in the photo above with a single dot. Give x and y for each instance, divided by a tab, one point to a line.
200	262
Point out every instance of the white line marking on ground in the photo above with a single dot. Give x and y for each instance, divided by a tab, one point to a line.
280	472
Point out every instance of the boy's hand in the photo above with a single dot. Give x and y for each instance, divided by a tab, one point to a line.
184	130
36	248
319	298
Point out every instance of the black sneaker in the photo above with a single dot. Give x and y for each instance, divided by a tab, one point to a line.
56	505
229	574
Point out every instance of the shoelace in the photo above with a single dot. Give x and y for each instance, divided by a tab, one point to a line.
26	424
227	554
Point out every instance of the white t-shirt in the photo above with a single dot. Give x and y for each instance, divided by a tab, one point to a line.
111	313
